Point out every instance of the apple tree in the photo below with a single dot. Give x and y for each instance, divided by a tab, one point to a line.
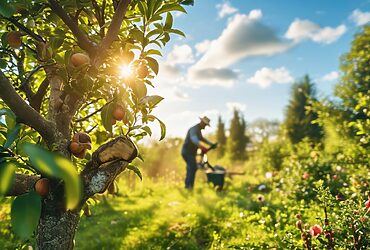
73	100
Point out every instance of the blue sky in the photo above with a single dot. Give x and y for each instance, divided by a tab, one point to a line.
246	54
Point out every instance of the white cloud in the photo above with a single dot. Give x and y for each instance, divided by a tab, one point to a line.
267	76
178	123
359	17
181	54
169	74
236	105
300	30
212	76
225	9
255	14
203	46
180	94
244	36
332	76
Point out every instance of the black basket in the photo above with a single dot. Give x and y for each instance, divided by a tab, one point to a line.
216	178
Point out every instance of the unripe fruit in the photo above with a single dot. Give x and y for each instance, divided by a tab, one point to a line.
315	230
118	113
142	71
79	59
14	39
42	187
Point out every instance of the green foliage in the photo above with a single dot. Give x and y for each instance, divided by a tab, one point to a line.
221	138
353	89
53	165
25	213
7	173
300	116
237	140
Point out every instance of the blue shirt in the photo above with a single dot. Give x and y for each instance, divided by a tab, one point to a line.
192	140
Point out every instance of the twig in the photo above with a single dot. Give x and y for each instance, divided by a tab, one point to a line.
93	113
82	39
25	29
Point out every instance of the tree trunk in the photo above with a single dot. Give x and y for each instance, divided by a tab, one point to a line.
57	227
57	230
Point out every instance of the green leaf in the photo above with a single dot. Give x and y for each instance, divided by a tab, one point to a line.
136	170
161	124
9	117
106	116
3	63
54	165
6	9
153	64
147	130
56	42
138	35
140	157
12	135
154	32
187	2
4	40
169	21
7	175
176	31
25	214
153	52
152	100
171	7
143	7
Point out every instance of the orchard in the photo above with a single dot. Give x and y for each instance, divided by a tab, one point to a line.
77	168
61	95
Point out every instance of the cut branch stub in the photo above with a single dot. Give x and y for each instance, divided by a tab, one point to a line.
121	148
107	162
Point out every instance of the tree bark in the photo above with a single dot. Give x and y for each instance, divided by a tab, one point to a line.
57	227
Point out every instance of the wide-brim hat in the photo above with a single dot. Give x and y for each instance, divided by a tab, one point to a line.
205	120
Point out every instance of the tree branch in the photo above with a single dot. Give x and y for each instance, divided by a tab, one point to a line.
106	163
25	113
22	184
115	26
25	29
37	98
82	39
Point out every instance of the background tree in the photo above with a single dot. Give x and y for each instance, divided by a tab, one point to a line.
263	130
62	63
237	140
354	87
299	114
221	137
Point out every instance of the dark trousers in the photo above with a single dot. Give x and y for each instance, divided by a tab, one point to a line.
191	169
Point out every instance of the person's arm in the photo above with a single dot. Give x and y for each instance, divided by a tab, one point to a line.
194	137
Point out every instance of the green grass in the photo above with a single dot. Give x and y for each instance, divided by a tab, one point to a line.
163	215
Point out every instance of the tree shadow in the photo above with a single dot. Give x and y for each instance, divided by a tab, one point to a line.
108	226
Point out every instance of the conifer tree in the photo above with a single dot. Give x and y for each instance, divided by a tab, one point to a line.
299	115
221	137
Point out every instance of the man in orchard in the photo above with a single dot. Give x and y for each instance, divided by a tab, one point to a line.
193	141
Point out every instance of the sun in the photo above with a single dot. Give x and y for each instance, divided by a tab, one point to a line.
125	70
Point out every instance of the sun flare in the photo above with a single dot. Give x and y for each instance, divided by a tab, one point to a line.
125	70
